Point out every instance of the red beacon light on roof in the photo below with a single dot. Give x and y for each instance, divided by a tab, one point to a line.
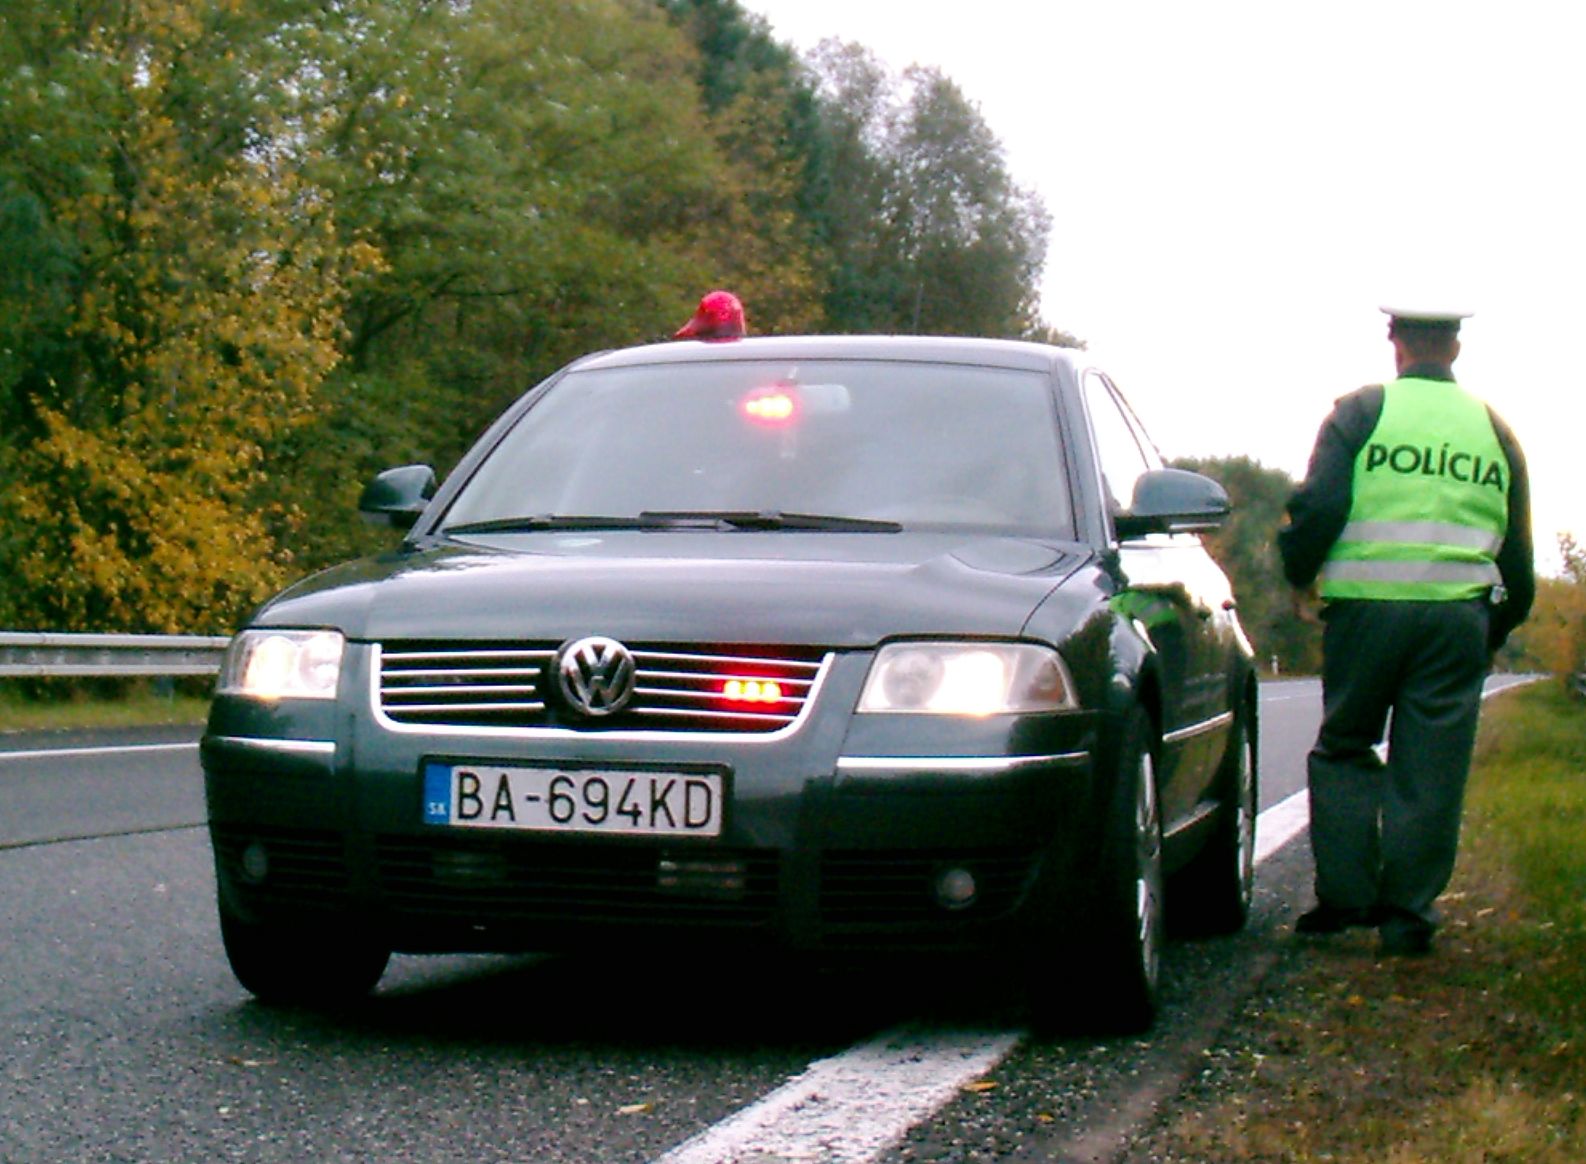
719	316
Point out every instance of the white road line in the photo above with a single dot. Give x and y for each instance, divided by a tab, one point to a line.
851	1108
1281	823
47	753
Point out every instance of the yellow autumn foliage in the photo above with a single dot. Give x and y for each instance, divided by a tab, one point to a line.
253	251
206	315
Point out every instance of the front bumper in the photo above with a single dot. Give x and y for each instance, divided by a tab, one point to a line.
838	836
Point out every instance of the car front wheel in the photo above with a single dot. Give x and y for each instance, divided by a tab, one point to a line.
310	966
1113	965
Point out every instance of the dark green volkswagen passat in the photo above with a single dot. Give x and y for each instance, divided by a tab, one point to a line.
833	644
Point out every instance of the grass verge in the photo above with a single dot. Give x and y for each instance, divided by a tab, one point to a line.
124	704
1477	1053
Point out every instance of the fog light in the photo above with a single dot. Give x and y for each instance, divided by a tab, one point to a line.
956	889
255	863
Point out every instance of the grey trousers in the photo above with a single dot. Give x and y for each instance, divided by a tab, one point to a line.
1385	834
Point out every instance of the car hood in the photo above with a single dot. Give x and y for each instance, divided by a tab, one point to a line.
824	589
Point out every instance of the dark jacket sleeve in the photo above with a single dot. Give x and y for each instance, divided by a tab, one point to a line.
1516	557
1319	508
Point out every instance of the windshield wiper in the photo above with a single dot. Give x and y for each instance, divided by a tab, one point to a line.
734	519
538	521
764	519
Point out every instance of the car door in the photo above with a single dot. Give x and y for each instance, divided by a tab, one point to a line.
1166	589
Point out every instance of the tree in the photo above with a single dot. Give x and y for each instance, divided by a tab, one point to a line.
1045	333
852	211
540	180
1573	555
976	243
927	230
758	230
1245	546
188	287
253	250
1553	639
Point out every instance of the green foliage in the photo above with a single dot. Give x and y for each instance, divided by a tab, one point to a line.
926	229
1573	556
62	704
1553	639
194	283
736	52
1536	800
537	177
1246	548
976	243
252	251
759	234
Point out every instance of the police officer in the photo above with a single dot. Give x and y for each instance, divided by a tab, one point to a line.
1413	524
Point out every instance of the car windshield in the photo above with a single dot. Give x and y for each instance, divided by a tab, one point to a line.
847	445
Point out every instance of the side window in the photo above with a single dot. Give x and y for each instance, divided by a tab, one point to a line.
1121	447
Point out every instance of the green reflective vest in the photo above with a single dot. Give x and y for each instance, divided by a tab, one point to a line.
1430	504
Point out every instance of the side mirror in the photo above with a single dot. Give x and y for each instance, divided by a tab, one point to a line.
399	495
1172	501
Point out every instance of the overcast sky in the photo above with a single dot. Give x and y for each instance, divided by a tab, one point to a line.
1237	186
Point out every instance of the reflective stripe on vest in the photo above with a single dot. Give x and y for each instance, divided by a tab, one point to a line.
1438	532
1478	574
1429	506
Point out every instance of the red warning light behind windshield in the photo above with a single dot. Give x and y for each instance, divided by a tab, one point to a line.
770	406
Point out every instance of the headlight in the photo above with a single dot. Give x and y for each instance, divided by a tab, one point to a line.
967	679
282	664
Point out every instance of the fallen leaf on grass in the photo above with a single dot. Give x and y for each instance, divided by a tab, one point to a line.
635	1108
981	1085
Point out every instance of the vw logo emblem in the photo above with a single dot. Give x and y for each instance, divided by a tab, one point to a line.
596	675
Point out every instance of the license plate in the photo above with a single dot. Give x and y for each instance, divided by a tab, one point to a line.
573	801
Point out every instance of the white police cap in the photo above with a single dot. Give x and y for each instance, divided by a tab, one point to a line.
1423	314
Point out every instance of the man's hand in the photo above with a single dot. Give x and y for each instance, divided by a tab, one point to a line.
1307	604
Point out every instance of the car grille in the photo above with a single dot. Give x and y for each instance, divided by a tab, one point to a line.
873	888
486	881
503	685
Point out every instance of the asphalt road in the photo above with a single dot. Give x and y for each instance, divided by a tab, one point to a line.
123	1036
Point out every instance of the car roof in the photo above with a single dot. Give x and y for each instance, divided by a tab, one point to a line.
930	349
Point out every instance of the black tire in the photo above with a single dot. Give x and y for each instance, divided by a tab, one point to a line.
1212	894
1114	964
301	966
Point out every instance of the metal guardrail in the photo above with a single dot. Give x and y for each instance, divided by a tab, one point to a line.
36	655
28	654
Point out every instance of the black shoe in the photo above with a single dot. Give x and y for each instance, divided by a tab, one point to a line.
1333	919
1404	935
